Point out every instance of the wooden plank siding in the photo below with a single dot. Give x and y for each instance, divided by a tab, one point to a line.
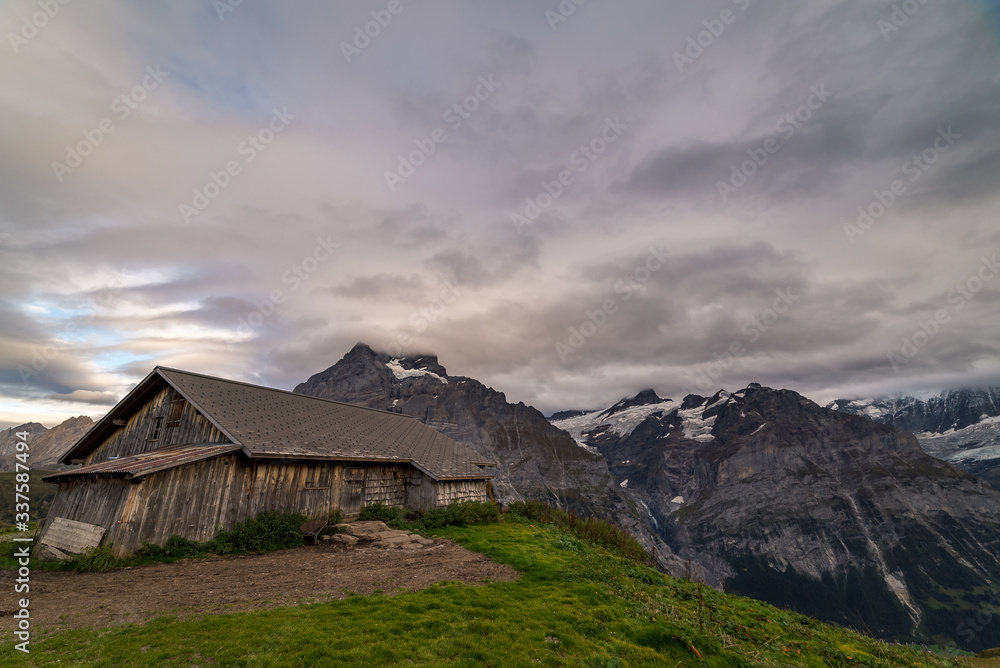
189	427
99	502
456	491
386	483
196	500
72	537
421	492
193	501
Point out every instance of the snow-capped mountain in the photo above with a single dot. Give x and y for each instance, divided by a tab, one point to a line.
622	418
831	514
760	490
960	426
950	410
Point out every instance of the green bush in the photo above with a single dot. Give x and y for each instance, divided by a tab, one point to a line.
393	516
595	531
537	511
464	513
266	532
96	560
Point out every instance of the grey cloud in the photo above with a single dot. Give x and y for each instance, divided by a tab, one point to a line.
521	292
391	287
87	397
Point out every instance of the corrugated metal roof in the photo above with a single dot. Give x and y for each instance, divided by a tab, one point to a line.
145	463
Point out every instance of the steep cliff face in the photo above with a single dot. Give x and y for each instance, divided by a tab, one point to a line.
534	459
761	491
830	514
961	427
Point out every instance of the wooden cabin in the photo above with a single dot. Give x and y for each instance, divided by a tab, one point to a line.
189	454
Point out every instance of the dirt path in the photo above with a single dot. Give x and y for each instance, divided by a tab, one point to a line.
61	600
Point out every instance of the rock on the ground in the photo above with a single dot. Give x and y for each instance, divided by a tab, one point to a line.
364	530
379	535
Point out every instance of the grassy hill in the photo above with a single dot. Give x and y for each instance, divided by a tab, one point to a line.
575	605
40	495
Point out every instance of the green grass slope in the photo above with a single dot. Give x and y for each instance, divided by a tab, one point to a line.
40	495
576	605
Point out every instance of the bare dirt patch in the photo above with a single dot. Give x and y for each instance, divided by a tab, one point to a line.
62	600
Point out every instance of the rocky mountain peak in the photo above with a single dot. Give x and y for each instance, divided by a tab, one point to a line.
422	363
959	426
795	503
535	459
781	499
643	398
47	445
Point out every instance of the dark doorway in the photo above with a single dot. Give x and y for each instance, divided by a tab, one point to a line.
352	494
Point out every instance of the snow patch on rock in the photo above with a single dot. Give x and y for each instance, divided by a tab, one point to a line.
625	421
399	372
695	426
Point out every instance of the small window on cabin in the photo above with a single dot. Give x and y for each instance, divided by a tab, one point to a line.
176	408
154	434
317	476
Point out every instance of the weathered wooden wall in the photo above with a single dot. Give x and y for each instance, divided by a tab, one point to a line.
193	501
189	427
455	491
281	485
196	500
64	537
99	502
386	483
421	492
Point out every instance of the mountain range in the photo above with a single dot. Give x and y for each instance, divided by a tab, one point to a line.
959	426
45	445
833	511
759	491
535	460
831	514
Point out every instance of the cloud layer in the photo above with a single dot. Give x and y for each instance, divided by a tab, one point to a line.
683	197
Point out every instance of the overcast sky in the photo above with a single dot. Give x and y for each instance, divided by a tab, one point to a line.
249	190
